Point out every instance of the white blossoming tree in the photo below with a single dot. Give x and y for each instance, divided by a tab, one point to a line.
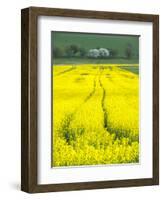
104	53
98	53
93	53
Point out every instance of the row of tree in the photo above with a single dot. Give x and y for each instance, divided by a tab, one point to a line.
76	51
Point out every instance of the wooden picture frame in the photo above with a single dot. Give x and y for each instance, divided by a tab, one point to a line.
29	112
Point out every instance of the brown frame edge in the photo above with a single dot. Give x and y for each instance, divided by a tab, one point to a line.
29	99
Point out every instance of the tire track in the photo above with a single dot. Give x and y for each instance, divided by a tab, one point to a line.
119	132
105	113
92	92
65	71
68	133
108	128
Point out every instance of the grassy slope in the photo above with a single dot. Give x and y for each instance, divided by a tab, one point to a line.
132	69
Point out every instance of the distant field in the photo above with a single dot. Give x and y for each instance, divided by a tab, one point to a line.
89	60
95	114
88	41
132	69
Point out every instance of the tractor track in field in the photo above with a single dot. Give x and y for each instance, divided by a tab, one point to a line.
65	71
65	127
105	113
70	134
92	92
118	132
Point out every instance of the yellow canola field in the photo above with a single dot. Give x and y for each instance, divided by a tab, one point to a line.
95	115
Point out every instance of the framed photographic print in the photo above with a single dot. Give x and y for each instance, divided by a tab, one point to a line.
90	99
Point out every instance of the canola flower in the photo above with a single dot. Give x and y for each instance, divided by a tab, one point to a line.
95	115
